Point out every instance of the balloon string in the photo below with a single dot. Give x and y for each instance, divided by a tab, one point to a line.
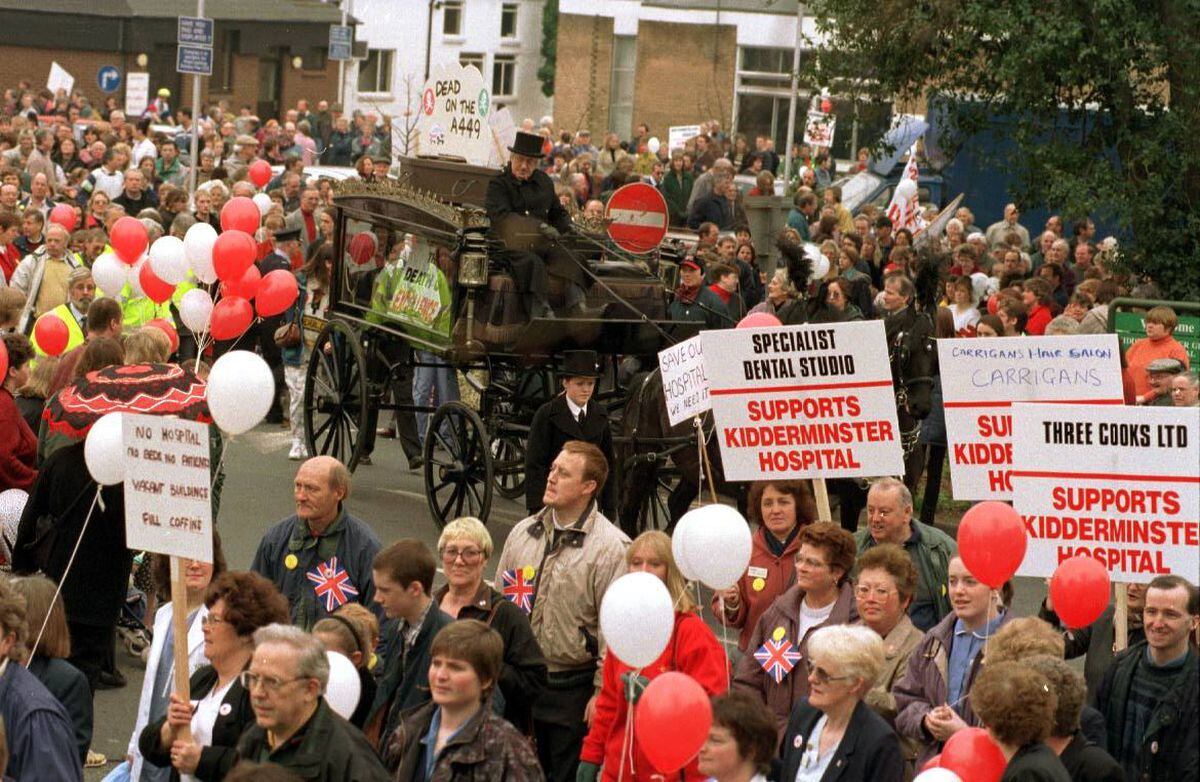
63	579
627	739
200	346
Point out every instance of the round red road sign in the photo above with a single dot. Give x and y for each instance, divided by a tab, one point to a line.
638	215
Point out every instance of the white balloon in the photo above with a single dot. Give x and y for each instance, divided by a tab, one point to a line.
110	274
907	188
240	389
263	202
168	259
344	687
820	264
718	545
198	245
653	145
938	775
679	548
637	618
104	451
195	310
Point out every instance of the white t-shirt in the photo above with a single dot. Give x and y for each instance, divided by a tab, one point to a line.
811	617
965	321
207	709
144	149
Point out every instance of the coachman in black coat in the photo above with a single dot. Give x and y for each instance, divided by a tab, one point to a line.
553	425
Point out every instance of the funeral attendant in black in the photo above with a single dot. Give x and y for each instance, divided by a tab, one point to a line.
572	415
527	217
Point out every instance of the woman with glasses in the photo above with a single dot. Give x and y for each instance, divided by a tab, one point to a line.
832	734
238	604
775	665
465	547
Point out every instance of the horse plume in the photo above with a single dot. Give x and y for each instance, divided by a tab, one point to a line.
931	268
799	265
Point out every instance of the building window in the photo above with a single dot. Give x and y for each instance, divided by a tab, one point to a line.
763	95
508	20
227	49
452	13
620	107
471	58
504	74
375	72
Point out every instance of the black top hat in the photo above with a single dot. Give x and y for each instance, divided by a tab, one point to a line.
527	144
578	363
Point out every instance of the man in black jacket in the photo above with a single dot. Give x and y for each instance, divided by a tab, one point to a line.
572	415
524	211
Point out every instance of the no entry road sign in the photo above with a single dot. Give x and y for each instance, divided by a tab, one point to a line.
639	217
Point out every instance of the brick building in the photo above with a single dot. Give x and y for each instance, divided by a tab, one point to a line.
681	62
267	53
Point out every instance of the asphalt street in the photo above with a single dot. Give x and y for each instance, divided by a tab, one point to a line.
258	493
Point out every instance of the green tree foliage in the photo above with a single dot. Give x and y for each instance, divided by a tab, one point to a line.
545	73
1104	96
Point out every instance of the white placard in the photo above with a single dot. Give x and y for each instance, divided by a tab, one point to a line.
168	486
983	377
59	79
137	95
685	380
455	109
803	401
503	133
1119	484
678	136
819	129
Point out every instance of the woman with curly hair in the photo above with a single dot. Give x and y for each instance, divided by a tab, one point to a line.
1017	706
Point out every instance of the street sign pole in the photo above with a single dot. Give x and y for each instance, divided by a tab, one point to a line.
342	63
195	140
795	88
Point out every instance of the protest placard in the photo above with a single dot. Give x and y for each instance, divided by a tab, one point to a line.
819	129
685	380
137	94
803	401
456	107
678	136
168	486
1121	484
982	378
60	79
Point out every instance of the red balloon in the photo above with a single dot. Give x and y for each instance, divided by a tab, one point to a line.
51	334
362	247
277	292
1079	590
973	755
260	173
991	542
758	320
672	720
153	286
240	214
933	762
230	318
64	215
3	361
233	254
129	239
246	287
168	328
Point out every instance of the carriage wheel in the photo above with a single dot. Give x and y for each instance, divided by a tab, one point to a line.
655	513
335	395
458	464
508	465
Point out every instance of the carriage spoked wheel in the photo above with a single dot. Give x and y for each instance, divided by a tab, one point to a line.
458	464
335	395
655	513
508	465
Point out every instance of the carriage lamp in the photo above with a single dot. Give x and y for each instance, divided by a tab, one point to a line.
472	268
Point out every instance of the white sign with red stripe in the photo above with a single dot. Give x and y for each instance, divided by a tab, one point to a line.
982	378
1120	484
638	215
803	401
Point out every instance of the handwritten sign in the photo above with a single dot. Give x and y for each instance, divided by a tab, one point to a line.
1120	484
456	105
982	378
59	79
819	129
803	401
685	380
168	486
677	136
137	94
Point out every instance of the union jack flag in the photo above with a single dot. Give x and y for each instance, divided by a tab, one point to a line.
777	658
332	583
516	589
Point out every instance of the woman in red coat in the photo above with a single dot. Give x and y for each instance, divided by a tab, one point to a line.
693	649
18	444
781	509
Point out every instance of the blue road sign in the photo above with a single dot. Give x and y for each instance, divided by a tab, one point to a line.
341	42
109	78
194	59
195	30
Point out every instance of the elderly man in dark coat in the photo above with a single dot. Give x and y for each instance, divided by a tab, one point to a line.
526	215
572	415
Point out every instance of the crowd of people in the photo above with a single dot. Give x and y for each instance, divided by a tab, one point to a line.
897	647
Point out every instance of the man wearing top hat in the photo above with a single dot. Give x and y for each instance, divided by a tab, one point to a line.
526	215
572	415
